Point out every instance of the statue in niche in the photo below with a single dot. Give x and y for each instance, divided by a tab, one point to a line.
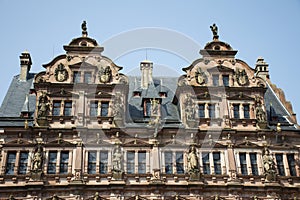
189	108
105	74
118	109
214	30
117	160
242	77
43	106
193	162
37	159
269	165
200	76
96	196
61	74
154	107
260	113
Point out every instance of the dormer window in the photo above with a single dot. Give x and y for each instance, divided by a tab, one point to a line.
136	94
162	94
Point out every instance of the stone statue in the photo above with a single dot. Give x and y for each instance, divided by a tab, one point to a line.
269	165
118	106
37	159
260	113
96	196
193	163
43	106
117	160
189	108
154	107
84	28
214	30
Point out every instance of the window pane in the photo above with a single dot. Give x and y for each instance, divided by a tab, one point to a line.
253	161
10	163
52	162
206	164
236	111
130	162
217	162
225	80
103	162
94	109
168	163
243	163
104	109
246	112
201	110
92	162
23	162
56	108
215	80
179	163
68	108
148	108
280	165
141	162
212	111
87	77
291	162
76	77
64	160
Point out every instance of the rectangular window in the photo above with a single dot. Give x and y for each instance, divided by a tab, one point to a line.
212	111
64	161
10	163
56	108
201	110
225	80
179	163
76	77
142	162
52	162
243	163
206	163
253	160
130	162
88	77
23	161
291	162
68	108
94	108
215	80
103	162
236	111
92	155
246	111
169	162
280	165
104	109
217	162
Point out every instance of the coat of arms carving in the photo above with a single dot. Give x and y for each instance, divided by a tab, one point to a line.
242	77
61	74
105	74
200	76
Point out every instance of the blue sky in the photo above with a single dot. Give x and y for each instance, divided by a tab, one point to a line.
270	29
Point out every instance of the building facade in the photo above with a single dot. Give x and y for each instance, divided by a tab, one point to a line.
81	129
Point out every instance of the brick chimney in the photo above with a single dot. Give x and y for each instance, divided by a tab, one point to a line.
25	64
146	67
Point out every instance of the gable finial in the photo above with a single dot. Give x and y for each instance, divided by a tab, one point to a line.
214	30
84	29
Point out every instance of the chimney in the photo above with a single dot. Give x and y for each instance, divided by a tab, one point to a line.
146	67
25	63
262	69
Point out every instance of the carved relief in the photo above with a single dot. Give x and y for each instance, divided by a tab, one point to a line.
43	106
200	76
242	77
61	74
269	165
105	74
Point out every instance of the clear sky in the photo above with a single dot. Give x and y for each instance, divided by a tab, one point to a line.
268	28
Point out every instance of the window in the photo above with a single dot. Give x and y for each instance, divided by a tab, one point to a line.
236	111
280	165
217	162
141	162
104	109
253	160
206	163
215	80
87	77
76	77
291	162
10	163
246	111
179	163
103	162
201	110
92	155
168	163
130	162
56	108
68	108
212	110
243	163
225	80
94	109
23	161
52	162
64	161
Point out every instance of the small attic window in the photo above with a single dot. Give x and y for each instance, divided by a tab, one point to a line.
136	94
162	94
83	43
217	47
